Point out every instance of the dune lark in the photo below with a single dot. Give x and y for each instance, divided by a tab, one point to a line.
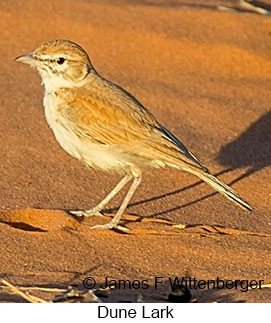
105	127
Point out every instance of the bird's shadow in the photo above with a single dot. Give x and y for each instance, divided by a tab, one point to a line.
251	149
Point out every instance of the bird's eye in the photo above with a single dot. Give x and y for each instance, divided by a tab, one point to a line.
60	60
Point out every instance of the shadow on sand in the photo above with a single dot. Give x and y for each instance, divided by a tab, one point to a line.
251	149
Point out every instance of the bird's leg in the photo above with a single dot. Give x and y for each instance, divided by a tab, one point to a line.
114	223
96	210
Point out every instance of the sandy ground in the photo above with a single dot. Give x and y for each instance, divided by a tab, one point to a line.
206	75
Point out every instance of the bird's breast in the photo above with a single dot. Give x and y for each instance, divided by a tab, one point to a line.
87	150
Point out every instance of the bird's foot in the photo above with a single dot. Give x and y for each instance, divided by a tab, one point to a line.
111	226
91	212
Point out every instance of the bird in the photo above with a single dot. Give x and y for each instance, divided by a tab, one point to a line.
107	128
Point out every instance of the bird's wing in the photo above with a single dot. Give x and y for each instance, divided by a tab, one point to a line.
120	120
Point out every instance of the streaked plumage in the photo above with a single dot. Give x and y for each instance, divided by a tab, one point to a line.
105	127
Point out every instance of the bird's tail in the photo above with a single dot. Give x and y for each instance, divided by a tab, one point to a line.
178	156
223	189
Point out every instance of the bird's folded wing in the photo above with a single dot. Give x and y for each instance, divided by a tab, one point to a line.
124	124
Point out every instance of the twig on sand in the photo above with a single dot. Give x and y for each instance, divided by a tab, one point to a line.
26	296
247	6
223	8
44	289
261	286
68	294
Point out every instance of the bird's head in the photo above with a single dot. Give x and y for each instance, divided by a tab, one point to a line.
60	63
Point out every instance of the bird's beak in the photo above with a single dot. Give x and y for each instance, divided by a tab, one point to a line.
26	59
